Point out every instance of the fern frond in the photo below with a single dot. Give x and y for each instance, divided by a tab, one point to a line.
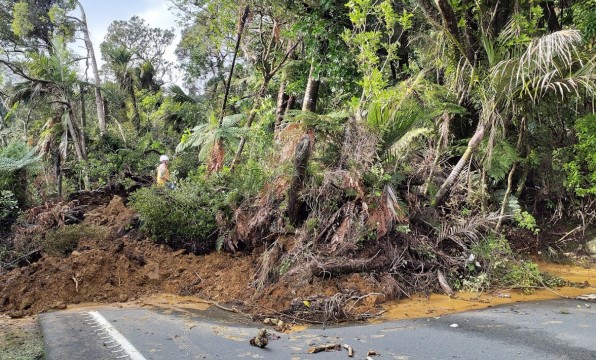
8	165
180	96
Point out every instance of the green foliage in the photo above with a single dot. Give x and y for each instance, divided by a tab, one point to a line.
492	263
405	113
16	157
525	220
502	156
581	170
9	207
371	33
181	218
21	25
63	240
285	265
17	161
584	16
524	275
205	135
55	67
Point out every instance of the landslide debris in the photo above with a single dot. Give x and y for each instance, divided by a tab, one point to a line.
114	262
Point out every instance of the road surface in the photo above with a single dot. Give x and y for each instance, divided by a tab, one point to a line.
561	329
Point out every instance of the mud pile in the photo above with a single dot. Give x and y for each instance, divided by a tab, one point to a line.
125	266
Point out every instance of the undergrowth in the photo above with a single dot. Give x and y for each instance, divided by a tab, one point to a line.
492	263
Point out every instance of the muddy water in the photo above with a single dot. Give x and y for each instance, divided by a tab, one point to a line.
437	305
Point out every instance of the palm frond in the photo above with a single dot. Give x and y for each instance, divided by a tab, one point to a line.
320	122
466	231
24	92
551	63
400	148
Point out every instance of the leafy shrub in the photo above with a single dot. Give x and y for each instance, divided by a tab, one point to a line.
63	240
8	206
524	275
17	163
581	170
525	220
493	263
181	218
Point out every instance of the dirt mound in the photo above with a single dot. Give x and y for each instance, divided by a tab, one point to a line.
126	269
125	266
117	271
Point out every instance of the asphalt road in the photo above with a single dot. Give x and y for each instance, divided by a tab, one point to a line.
561	329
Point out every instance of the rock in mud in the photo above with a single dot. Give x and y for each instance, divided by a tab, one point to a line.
26	303
59	305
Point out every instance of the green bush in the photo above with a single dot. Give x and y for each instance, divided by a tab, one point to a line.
494	264
181	218
63	240
581	170
8	206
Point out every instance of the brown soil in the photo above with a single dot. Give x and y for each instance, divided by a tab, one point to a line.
124	268
20	339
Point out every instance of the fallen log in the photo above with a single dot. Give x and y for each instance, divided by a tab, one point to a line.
350	350
343	266
326	347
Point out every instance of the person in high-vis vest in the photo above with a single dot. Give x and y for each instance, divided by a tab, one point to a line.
163	174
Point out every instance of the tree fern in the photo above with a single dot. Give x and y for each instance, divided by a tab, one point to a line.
180	96
205	135
15	157
502	158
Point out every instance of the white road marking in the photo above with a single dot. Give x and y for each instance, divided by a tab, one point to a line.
132	352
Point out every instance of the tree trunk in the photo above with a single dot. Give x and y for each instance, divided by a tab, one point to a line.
240	29
301	156
430	11
282	102
251	118
80	144
136	116
83	113
505	202
290	104
311	94
101	115
550	15
450	20
58	170
76	137
472	147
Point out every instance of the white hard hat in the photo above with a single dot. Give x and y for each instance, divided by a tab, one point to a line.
164	158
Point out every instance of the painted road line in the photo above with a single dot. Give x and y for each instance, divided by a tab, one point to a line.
130	350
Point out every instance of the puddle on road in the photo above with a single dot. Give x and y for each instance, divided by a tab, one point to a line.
437	305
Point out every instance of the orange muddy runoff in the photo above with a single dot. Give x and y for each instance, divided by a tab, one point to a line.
437	305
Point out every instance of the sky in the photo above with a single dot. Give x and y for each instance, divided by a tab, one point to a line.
101	13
